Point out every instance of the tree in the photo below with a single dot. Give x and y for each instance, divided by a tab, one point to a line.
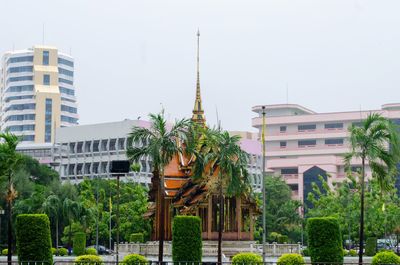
71	211
368	142
160	144
218	153
9	162
52	207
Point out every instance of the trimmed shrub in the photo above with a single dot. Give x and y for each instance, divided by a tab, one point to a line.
62	252
283	239
88	260
345	252
291	259
305	252
186	239
136	238
33	238
134	259
385	257
91	251
370	246
54	251
352	253
324	240
246	258
79	243
4	252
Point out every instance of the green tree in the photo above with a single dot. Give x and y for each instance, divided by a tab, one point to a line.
52	207
160	144
71	211
368	142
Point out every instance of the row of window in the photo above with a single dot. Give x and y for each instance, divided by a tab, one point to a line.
28	138
67	91
313	127
20	88
69	119
19	128
20	69
67	99
20	78
97	167
22	117
21	107
66	81
48	115
8	99
68	109
313	142
20	59
65	62
65	72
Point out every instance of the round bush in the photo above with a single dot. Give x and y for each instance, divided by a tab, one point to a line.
324	240
249	258
134	259
4	252
91	251
385	257
63	252
88	260
136	238
54	251
352	253
291	259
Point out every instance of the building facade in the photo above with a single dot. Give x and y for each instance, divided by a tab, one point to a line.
37	93
302	145
86	151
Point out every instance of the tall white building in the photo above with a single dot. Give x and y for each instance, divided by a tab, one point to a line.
37	93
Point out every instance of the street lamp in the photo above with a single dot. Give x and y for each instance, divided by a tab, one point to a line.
263	183
1	213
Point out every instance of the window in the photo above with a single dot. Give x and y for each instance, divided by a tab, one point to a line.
332	126
48	118
20	69
21	107
67	91
28	138
357	124
282	129
289	171
306	127
19	78
282	144
67	99
304	143
24	117
19	128
8	99
69	119
65	72
20	59
45	57
68	109
20	88
46	80
334	141
65	62
62	80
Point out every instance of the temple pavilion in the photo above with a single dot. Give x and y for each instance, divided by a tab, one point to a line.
184	195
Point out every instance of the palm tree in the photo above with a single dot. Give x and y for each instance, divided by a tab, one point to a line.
160	144
51	206
369	142
218	152
71	211
9	162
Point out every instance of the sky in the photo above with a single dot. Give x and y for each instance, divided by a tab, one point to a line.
133	58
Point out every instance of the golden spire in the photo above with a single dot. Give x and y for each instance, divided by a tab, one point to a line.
198	112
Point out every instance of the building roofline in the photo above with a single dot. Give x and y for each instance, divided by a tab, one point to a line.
281	106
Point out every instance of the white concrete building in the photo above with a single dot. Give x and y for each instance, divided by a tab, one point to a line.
87	150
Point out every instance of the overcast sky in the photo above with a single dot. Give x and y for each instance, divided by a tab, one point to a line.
133	57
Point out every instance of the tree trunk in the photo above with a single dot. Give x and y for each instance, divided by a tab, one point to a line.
361	234
221	223
161	224
9	225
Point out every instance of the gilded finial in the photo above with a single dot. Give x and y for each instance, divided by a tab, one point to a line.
198	112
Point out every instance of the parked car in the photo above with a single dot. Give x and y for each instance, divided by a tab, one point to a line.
102	250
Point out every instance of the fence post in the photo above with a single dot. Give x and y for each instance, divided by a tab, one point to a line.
274	249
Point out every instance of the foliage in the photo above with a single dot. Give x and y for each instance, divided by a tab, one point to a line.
283	239
385	257
324	240
91	251
290	259
79	243
282	215
370	246
186	235
4	252
134	259
88	260
352	253
33	238
54	251
305	252
246	258
62	252
136	238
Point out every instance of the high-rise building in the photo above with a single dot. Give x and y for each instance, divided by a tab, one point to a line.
302	145
37	93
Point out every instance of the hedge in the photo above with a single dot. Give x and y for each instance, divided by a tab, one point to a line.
88	260
305	252
370	246
136	238
385	257
283	239
291	259
352	253
33	238
134	259
186	239
4	252
324	240
62	252
246	258
91	251
79	243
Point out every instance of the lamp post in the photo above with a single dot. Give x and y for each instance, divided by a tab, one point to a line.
263	184
1	213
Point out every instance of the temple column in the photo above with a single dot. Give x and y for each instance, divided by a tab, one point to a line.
209	219
238	217
251	224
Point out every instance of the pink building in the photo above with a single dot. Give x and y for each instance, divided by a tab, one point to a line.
302	144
